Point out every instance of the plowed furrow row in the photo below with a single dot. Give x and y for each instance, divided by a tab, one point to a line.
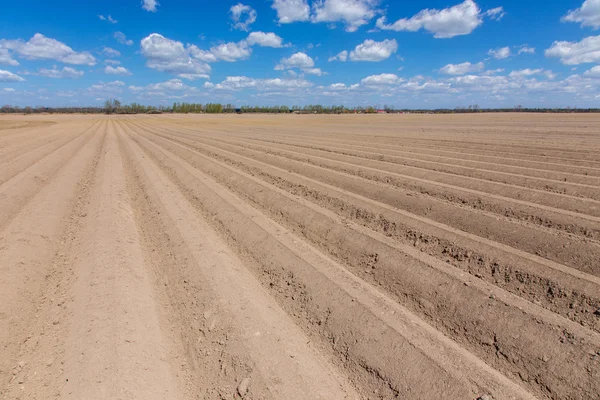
230	293
470	190
564	182
458	157
404	175
454	307
528	212
303	283
562	289
407	141
27	158
29	252
18	190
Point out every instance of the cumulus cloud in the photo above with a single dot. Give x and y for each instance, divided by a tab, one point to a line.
244	82
231	51
150	5
171	56
573	53
40	47
341	56
7	76
297	60
461	19
501	53
66	72
462	69
112	62
6	58
382	79
353	13
314	71
107	51
116	71
289	11
264	39
587	15
593	72
105	89
525	72
242	16
121	38
161	88
370	50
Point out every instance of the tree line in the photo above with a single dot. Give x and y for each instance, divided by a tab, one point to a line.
114	106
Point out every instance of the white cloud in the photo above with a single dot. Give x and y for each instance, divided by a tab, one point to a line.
150	5
66	72
116	70
244	82
495	13
171	56
107	51
289	11
202	55
105	89
168	86
461	19
573	53
121	38
242	16
370	50
40	47
526	49
501	53
382	79
337	86
264	39
231	51
462	69
341	56
353	13
297	60
112	62
314	71
108	19
588	14
525	72
8	89
6	76
593	72
6	58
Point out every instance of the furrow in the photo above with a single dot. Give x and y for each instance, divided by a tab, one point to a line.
16	192
564	290
486	326
325	299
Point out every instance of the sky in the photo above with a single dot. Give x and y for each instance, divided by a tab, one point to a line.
417	54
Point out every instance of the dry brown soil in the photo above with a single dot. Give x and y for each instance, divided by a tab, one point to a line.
300	257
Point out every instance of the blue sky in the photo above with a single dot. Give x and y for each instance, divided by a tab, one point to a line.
429	53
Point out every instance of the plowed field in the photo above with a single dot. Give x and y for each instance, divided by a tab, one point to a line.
300	257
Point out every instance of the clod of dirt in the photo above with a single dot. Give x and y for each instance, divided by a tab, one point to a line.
485	397
242	389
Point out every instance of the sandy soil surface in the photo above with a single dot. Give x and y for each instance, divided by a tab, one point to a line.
300	257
